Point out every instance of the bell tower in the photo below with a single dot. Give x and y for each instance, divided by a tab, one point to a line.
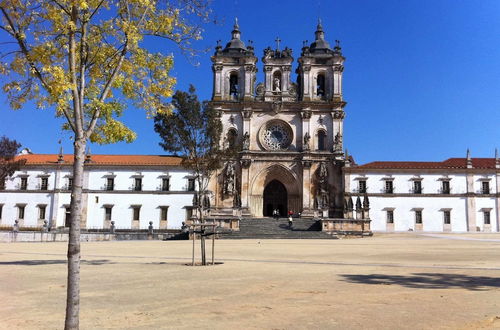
234	69
320	70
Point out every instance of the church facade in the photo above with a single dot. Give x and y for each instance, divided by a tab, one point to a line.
290	132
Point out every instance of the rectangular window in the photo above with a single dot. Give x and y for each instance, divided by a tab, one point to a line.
136	214
390	216
486	217
138	184
2	184
389	188
189	213
417	187
110	184
447	217
165	184
418	216
1	208
107	212
362	186
24	183
70	183
67	217
20	211
163	213
44	183
485	187
41	211
190	184
445	187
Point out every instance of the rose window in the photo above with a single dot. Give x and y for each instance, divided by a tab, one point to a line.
276	135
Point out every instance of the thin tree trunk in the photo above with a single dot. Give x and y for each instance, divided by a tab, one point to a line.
73	283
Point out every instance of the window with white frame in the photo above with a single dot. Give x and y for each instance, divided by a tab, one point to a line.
362	186
417	186
20	211
486	217
445	187
1	209
165	184
42	208
447	217
389	187
44	183
136	212
418	216
485	187
390	216
24	183
163	213
108	212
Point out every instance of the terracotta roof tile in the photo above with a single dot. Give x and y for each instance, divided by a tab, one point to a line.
458	163
96	160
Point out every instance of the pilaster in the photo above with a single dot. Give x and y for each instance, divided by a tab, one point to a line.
471	203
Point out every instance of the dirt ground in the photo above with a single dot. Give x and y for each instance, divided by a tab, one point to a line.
398	281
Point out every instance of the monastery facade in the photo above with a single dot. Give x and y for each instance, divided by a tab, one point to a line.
292	158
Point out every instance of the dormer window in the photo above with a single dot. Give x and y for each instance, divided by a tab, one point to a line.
233	86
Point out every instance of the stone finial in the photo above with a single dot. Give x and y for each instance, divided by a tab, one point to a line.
60	157
88	156
358	204
469	159
497	159
347	160
366	202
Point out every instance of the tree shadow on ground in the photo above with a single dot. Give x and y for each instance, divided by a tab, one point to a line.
429	281
52	262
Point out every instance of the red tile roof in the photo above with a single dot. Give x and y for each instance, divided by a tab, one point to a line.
451	163
51	159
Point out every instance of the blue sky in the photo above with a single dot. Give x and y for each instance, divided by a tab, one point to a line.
421	78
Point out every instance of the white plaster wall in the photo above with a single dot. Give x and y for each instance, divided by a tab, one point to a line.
150	211
403	183
404	216
486	203
10	211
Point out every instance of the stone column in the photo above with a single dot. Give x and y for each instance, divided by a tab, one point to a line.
307	205
245	185
217	69
471	203
307	95
249	74
497	200
337	77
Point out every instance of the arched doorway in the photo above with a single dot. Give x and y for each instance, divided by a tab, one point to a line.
275	197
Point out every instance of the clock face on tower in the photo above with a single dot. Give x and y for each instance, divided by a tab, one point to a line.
276	135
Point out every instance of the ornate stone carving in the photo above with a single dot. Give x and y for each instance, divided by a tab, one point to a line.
277	106
338	68
306	114
249	68
292	90
276	135
322	192
260	89
337	143
306	68
218	67
338	114
229	179
276	84
247	114
246	141
268	68
245	163
307	138
307	163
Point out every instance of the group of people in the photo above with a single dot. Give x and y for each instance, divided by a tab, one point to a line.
276	215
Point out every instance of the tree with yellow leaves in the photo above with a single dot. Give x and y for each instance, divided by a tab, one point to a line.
86	59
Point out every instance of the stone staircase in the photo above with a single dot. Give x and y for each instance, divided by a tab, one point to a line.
277	229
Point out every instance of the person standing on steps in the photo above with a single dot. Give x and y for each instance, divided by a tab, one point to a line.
276	214
290	221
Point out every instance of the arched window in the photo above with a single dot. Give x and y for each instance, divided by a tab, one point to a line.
277	82
320	85
233	85
232	135
321	140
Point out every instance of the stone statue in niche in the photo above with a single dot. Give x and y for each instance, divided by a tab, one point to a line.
276	84
229	179
307	138
337	143
236	199
246	141
322	192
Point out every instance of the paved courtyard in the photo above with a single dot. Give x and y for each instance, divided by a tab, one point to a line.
398	281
